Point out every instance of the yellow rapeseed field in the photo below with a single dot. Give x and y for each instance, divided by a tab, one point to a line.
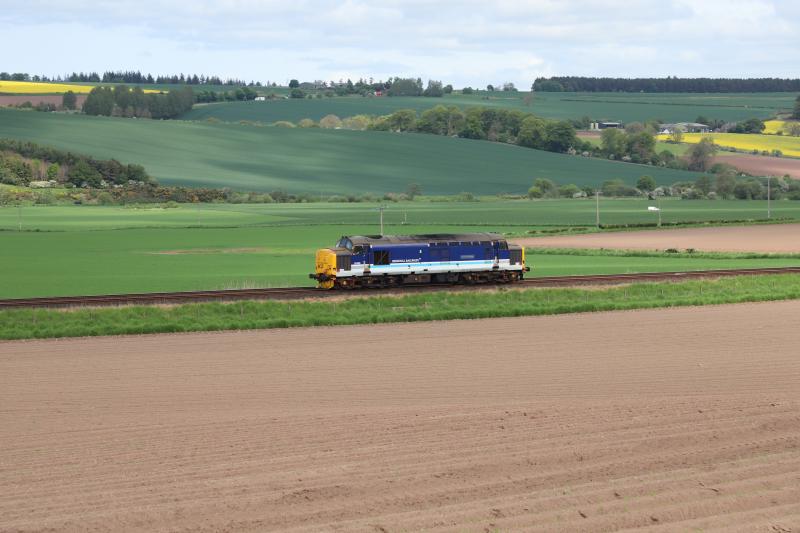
773	126
790	146
33	87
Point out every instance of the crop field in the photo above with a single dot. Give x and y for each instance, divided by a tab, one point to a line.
30	87
74	250
624	107
313	160
790	146
659	419
773	127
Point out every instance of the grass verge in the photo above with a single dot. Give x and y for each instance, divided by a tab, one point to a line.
48	323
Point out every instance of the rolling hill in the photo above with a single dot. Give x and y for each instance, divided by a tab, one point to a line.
625	107
314	160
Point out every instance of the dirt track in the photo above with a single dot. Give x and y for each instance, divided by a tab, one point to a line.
676	419
774	238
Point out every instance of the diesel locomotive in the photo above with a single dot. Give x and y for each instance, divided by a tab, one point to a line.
395	260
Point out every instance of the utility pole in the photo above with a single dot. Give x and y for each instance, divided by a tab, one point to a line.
381	209
658	204
597	208
19	217
769	197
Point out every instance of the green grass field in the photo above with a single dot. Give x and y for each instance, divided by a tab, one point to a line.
72	250
48	323
313	160
624	107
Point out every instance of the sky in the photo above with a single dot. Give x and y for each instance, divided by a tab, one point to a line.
466	43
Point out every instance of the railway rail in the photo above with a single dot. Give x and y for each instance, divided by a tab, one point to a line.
300	293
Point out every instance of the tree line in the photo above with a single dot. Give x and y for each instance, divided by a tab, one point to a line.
501	125
130	76
665	85
24	162
120	100
724	184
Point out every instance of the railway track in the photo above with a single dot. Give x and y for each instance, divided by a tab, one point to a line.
300	293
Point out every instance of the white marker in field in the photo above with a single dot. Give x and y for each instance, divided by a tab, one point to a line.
654	208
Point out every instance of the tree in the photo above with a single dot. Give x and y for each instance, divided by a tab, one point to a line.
406	87
704	184
612	142
52	171
548	188
796	113
414	190
294	84
69	100
641	146
701	155
467	90
646	184
676	136
724	184
100	101
448	89
490	87
617	187
509	87
751	125
297	93
434	88
559	136
330	122
532	133
792	129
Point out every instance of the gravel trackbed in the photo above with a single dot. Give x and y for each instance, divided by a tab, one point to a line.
679	419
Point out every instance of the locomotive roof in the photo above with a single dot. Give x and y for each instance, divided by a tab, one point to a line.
415	239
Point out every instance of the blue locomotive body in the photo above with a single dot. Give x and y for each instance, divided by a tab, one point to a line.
442	258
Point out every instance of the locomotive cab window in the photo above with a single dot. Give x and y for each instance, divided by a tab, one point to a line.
381	257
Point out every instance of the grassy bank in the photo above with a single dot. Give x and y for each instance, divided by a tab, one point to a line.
45	323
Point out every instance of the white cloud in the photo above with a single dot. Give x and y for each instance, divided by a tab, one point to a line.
468	42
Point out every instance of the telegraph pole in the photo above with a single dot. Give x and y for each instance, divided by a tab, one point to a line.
381	209
597	208
769	197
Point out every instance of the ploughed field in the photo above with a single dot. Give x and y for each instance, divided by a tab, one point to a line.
769	238
570	423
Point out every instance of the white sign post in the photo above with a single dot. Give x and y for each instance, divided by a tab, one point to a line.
658	209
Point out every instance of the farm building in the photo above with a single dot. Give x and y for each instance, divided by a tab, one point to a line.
261	98
684	127
605	125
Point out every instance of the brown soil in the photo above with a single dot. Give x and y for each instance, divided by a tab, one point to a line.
759	165
772	238
685	419
56	99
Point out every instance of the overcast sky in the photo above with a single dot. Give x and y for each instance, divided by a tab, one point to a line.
463	43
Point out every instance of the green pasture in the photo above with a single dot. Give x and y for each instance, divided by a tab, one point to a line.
624	107
131	320
73	250
518	216
313	160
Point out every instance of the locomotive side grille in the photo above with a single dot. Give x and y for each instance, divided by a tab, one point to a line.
343	262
